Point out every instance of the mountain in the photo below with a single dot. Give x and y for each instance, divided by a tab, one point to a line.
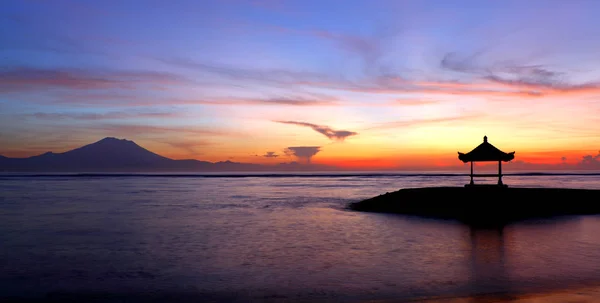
116	155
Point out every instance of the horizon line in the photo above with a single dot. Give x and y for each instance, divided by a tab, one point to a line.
246	174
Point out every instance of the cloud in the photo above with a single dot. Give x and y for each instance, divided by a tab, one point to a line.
368	48
407	123
107	98
590	161
545	85
280	76
105	116
467	64
493	79
291	101
303	153
537	71
516	79
270	154
415	102
132	130
28	78
337	135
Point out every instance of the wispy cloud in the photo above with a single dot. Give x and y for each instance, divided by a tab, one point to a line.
374	84
28	78
414	102
412	122
281	76
132	130
519	80
104	116
369	48
338	135
545	85
291	101
111	99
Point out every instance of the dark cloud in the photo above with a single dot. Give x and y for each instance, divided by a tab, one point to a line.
270	154
303	153
537	71
464	64
532	80
338	135
543	84
470	64
590	161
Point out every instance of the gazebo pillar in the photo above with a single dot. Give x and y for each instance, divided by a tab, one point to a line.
499	172
472	173
486	152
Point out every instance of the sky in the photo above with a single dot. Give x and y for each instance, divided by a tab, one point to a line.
356	84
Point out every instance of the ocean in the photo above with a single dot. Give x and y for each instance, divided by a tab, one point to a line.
272	238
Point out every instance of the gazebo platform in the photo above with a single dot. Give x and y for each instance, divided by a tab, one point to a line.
472	205
486	185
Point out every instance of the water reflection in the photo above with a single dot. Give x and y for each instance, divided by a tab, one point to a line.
488	264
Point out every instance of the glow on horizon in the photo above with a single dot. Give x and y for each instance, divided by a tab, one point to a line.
372	84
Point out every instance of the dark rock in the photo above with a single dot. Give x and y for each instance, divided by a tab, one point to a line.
485	205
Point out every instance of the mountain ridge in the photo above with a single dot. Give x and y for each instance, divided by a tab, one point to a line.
111	154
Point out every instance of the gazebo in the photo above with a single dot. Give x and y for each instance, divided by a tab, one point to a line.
486	152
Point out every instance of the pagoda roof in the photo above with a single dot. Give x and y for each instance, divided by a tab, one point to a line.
486	152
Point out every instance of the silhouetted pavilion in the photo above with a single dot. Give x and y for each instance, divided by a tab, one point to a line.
486	152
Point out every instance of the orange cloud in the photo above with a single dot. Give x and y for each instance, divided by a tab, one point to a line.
493	87
425	121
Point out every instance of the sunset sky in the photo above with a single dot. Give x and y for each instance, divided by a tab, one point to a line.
365	84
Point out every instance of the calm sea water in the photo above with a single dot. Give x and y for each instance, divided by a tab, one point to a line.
274	238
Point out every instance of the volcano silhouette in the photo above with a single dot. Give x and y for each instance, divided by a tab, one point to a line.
120	155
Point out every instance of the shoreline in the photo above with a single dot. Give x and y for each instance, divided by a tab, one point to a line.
576	294
580	294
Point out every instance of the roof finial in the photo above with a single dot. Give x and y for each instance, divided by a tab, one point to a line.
485	139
